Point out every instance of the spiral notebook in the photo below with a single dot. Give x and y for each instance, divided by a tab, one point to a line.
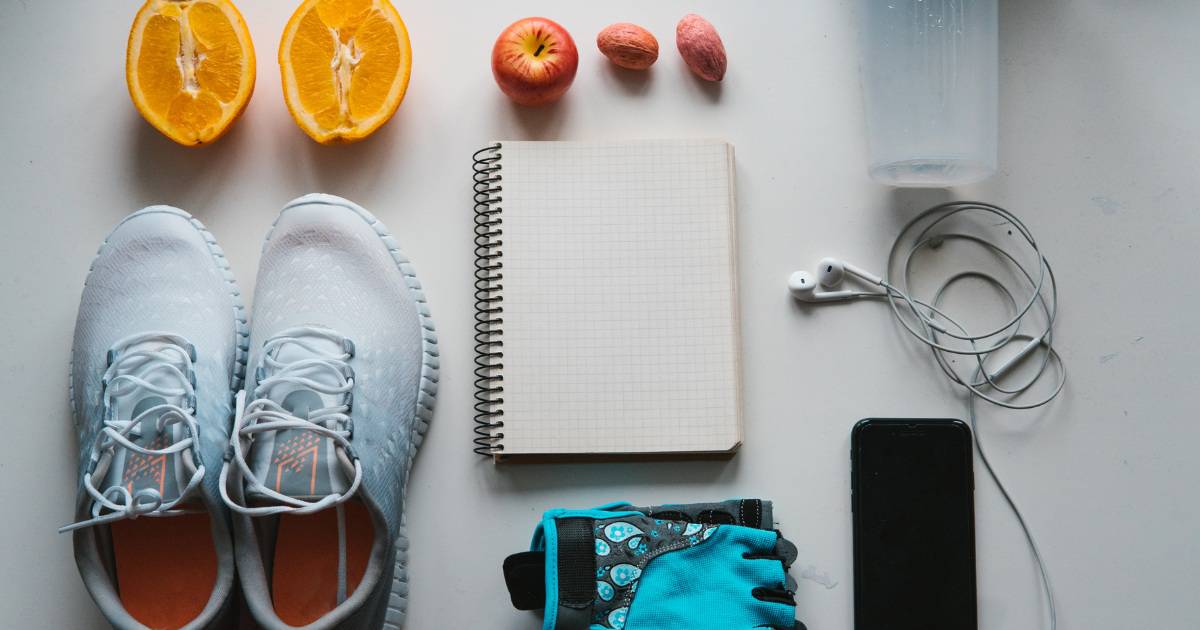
606	299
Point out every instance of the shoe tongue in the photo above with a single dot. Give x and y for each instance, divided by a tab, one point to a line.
166	474
294	462
298	463
159	377
135	471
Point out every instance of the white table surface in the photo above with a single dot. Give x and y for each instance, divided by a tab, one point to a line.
1100	143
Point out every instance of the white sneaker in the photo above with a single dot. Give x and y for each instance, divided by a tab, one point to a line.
160	346
344	373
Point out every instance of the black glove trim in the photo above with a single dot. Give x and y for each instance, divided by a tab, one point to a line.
525	576
576	573
752	513
773	595
798	626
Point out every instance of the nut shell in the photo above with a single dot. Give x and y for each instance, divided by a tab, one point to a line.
628	45
701	47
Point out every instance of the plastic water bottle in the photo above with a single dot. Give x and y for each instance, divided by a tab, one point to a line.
929	76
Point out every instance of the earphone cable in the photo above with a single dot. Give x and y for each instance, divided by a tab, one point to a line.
1012	506
922	322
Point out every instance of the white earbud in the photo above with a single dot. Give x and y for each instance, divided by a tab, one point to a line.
804	288
830	274
832	271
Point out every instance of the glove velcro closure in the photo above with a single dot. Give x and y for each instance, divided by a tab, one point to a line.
525	576
574	573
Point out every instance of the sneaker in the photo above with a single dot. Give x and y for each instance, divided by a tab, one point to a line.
341	392
159	349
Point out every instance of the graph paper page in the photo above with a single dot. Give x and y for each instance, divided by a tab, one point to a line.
619	293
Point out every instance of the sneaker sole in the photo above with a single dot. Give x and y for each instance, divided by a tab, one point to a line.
242	330
397	606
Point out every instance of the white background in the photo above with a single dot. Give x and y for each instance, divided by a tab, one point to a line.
1099	149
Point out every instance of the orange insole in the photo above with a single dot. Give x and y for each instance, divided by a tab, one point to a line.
304	579
166	568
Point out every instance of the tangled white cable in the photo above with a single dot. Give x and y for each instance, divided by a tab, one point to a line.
926	320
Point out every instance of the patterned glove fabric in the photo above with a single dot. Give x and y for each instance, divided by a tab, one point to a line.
702	566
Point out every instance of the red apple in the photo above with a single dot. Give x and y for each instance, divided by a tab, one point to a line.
534	61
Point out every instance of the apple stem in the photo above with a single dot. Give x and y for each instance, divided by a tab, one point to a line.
539	50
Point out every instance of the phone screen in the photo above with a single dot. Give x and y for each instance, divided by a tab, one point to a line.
914	532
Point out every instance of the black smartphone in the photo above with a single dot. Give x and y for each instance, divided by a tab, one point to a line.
914	525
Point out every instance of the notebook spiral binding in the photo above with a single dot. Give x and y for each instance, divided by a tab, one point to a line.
489	308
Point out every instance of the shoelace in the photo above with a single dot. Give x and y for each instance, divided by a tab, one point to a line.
263	414
130	371
334	422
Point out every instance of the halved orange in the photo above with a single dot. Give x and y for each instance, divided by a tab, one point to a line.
345	67
190	67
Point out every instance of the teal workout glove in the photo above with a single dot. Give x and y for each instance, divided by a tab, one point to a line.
708	566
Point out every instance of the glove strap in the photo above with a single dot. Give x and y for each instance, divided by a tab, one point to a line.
576	573
572	578
525	576
745	512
